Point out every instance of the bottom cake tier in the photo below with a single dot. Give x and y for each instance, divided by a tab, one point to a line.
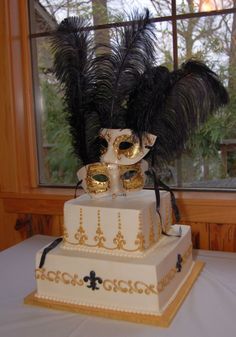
119	285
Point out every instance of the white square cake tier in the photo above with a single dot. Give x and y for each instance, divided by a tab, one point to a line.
125	226
146	285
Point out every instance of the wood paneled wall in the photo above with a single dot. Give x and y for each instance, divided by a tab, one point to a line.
26	209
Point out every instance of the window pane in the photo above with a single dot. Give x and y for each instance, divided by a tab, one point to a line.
190	6
209	160
47	14
164	47
157	8
207	38
57	163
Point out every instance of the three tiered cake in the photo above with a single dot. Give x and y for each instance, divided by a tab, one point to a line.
120	256
114	260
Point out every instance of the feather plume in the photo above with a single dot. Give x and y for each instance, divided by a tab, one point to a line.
73	50
131	51
147	99
172	105
123	89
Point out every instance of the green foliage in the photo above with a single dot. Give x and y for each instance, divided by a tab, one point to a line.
60	163
206	141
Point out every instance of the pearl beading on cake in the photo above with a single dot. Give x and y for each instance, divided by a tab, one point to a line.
91	305
112	253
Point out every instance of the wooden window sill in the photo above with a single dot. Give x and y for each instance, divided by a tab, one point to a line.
216	207
65	193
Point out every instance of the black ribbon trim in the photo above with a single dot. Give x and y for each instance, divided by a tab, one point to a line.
157	184
76	188
47	249
173	200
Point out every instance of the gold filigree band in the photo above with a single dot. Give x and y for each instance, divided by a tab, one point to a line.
58	277
123	286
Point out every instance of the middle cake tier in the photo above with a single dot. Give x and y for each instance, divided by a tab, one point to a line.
125	226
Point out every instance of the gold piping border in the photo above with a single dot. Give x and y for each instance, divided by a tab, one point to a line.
163	320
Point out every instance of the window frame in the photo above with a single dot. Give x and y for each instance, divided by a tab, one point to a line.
19	190
174	18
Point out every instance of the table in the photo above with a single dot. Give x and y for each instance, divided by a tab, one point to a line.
208	311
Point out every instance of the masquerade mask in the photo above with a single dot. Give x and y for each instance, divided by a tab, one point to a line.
122	147
101	179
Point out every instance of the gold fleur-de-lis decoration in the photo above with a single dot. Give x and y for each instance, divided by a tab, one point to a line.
80	235
119	241
140	242
119	238
99	237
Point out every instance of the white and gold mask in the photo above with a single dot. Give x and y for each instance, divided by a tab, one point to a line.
101	179
122	147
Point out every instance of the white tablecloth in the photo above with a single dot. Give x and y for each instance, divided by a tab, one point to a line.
208	311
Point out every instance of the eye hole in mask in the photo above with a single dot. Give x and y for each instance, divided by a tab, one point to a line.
97	178
127	146
123	147
101	178
132	178
129	174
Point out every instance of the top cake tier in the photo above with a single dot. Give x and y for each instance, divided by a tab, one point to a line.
126	226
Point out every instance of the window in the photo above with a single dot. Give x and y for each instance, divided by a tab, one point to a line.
204	29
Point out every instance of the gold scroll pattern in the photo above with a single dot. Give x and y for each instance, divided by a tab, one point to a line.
129	287
58	277
172	272
140	287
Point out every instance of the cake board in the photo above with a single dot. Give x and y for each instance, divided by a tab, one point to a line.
163	320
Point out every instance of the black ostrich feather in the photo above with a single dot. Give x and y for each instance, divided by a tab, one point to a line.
73	50
123	89
130	52
172	105
147	98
